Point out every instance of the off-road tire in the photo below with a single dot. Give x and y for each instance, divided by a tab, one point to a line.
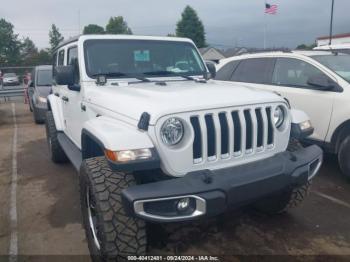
344	156
291	198
56	152
35	116
118	235
282	202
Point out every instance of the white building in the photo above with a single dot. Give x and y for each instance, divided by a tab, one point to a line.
340	39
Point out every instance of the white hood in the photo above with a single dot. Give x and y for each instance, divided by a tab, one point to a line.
175	97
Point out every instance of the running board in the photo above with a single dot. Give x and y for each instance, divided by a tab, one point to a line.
71	150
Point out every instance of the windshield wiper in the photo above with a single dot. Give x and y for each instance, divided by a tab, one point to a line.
200	80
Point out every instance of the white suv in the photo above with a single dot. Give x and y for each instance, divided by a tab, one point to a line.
154	139
316	82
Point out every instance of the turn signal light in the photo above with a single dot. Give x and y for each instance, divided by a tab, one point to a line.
128	155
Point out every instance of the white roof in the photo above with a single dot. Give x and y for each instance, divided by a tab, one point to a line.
294	53
329	47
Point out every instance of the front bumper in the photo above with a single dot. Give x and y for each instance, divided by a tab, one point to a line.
213	192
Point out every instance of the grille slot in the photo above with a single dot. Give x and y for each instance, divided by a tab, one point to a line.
211	136
269	126
249	130
224	134
237	132
232	134
260	123
197	142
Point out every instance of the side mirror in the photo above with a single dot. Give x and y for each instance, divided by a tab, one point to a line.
212	69
321	82
64	75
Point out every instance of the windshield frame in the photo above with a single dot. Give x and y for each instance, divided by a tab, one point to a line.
314	57
93	76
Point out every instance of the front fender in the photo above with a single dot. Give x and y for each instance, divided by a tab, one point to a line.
298	116
116	135
54	104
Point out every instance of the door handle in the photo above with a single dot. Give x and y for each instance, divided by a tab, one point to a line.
83	107
64	98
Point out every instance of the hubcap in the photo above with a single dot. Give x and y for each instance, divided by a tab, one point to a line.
91	208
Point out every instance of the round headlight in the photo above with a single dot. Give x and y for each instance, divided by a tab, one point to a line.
278	116
172	131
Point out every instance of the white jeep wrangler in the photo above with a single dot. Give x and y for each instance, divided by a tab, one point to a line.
154	139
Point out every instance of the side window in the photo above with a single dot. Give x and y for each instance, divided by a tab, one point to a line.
54	64
60	58
226	71
254	70
73	60
293	72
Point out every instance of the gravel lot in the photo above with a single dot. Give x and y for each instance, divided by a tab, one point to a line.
49	220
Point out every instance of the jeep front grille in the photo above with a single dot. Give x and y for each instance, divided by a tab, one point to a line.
227	134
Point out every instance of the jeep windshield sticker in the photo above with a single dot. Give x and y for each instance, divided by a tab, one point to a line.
142	56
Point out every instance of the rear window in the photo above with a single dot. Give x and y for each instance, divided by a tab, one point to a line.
44	78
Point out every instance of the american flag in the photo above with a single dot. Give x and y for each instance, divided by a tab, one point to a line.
271	9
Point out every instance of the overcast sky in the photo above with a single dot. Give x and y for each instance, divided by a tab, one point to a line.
227	22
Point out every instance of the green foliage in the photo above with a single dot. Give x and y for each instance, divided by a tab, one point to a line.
55	37
306	47
9	44
93	29
117	25
191	26
29	52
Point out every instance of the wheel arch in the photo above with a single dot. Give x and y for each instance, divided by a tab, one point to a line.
91	146
339	134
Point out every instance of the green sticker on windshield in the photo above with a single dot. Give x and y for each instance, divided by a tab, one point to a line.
141	56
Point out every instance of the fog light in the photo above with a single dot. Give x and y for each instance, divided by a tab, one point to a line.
183	204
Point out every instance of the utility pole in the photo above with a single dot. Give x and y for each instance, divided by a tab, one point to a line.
331	25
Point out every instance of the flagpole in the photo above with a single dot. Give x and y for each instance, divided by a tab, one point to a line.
331	25
265	25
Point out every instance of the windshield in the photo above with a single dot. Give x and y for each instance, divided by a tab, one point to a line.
338	63
140	58
44	78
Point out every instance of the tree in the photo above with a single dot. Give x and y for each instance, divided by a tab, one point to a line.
44	57
117	25
93	29
9	44
55	37
306	47
191	26
29	52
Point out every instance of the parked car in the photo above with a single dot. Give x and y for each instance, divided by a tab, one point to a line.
10	79
316	82
39	89
154	139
